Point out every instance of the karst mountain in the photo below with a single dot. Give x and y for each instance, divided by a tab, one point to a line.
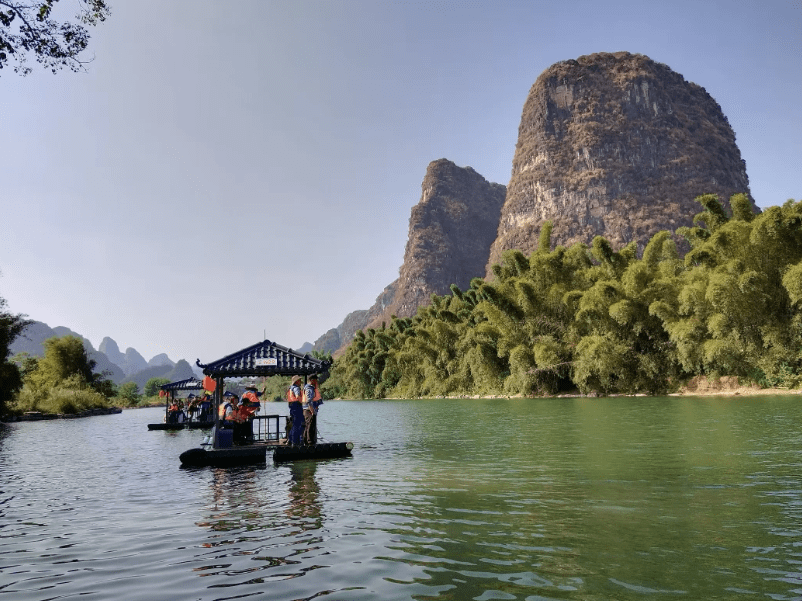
609	144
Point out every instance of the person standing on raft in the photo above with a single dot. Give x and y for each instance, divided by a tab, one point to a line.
294	398
311	401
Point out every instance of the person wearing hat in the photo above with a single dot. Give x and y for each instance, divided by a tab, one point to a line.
294	398
311	401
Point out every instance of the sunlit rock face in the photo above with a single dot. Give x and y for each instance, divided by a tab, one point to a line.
615	145
342	335
450	233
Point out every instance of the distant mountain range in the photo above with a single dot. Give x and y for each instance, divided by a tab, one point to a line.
119	367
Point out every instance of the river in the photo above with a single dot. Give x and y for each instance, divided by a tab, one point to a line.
527	499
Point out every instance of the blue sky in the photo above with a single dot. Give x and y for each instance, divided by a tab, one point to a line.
226	170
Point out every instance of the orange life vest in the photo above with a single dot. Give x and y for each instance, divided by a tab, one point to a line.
292	397
317	396
221	412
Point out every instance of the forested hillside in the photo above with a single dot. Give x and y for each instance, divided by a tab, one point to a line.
597	320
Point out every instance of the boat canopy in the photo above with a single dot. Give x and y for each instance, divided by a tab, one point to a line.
264	358
188	384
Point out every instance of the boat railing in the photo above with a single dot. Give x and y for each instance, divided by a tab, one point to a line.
269	428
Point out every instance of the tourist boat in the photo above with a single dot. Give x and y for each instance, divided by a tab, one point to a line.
266	434
181	421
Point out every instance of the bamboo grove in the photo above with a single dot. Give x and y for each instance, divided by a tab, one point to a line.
604	321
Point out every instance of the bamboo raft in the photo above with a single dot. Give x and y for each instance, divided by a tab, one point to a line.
264	359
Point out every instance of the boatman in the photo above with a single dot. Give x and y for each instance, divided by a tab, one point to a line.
311	401
294	397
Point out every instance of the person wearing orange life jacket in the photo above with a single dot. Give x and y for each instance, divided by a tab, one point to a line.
294	398
311	401
249	404
228	408
172	412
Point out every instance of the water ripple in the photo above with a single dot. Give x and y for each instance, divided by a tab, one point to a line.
582	499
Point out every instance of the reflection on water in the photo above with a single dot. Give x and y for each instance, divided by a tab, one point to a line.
304	491
465	499
234	503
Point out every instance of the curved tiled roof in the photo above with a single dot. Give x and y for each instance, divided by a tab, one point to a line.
188	384
264	358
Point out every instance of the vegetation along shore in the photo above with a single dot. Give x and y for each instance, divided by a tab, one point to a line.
604	322
724	319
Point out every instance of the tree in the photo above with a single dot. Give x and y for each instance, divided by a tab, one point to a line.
734	313
28	27
153	386
130	392
622	346
11	326
323	356
25	362
64	357
63	380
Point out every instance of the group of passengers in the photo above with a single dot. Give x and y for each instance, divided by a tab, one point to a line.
196	409
304	403
237	413
304	400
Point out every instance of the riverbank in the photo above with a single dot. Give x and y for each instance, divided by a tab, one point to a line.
698	386
729	386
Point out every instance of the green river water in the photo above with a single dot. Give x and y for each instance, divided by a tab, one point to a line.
528	499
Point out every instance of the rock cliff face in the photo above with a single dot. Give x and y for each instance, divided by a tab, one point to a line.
139	371
342	334
134	362
615	145
174	373
450	233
